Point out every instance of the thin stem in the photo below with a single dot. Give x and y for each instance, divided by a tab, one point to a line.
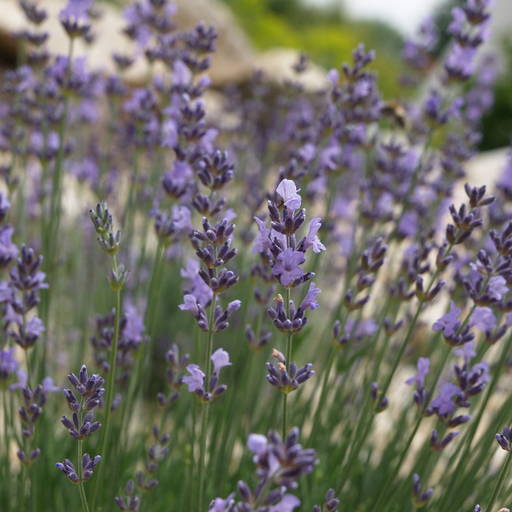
323	393
285	414
83	497
499	483
289	349
202	453
206	408
110	386
136	387
467	447
7	462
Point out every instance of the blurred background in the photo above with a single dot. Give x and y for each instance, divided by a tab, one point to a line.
268	34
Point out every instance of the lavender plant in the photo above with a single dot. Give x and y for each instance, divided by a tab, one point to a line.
408	402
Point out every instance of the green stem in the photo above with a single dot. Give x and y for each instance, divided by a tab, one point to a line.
323	394
206	408
51	227
289	349
202	453
7	462
499	483
83	497
466	448
110	388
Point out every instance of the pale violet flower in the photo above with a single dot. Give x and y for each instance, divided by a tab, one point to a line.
195	380
423	369
220	359
287	190
467	351
189	304
497	287
448	323
287	504
257	443
312	239
310	298
483	319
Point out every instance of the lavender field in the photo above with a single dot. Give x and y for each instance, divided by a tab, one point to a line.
250	296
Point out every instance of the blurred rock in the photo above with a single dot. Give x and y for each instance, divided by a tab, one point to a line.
233	58
277	65
234	61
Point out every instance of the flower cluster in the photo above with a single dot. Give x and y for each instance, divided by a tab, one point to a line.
131	336
26	281
279	464
195	381
469	382
90	391
287	377
178	161
88	395
29	412
176	365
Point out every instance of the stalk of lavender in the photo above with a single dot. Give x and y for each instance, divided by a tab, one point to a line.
109	241
283	254
82	425
504	439
466	219
213	248
279	465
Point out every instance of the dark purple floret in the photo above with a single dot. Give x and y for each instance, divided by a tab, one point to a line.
504	439
33	12
381	402
287	377
420	497
438	443
88	465
331	503
90	391
74	17
130	501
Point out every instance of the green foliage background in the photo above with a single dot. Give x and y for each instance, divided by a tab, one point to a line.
326	34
